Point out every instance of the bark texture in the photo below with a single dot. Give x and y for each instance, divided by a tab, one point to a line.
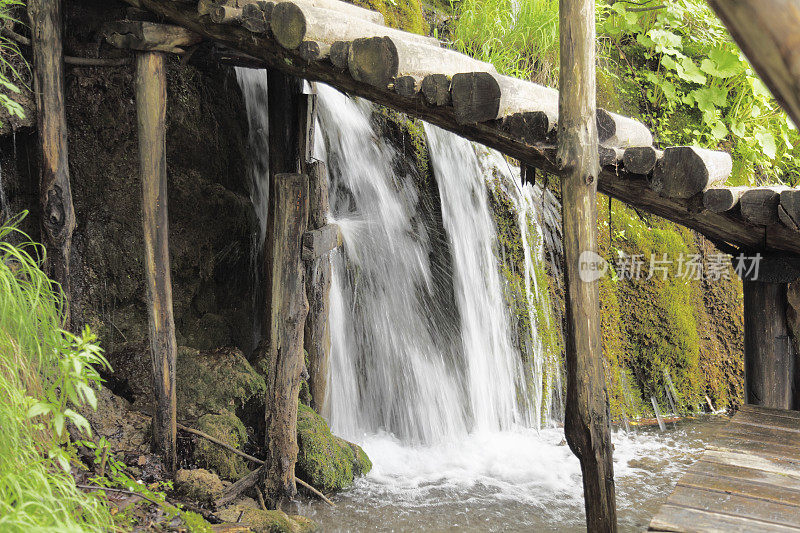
151	107
587	424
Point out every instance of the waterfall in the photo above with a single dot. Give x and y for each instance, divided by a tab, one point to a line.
253	84
394	369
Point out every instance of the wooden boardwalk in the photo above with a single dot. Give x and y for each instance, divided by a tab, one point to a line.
748	480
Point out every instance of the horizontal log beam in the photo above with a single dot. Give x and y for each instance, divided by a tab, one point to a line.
721	228
319	242
684	171
641	159
149	36
759	205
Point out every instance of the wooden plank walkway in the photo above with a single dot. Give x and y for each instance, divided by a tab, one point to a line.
748	480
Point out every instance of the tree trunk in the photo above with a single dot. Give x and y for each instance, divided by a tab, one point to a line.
288	310
151	107
55	193
587	426
318	284
769	358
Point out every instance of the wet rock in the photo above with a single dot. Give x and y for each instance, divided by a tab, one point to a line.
207	381
230	430
327	462
198	485
125	429
261	521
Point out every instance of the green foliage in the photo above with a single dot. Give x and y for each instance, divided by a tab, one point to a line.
8	73
402	14
697	86
44	373
520	37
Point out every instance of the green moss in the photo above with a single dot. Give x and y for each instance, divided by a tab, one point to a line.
404	15
327	462
213	381
198	485
261	521
230	430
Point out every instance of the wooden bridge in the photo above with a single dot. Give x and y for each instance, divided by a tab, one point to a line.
559	133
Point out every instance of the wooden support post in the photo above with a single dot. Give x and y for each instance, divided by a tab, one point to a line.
151	107
288	309
770	366
319	274
587	426
55	193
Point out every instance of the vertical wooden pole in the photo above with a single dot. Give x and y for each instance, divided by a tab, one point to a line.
151	107
769	358
318	286
55	194
285	276
587	421
288	310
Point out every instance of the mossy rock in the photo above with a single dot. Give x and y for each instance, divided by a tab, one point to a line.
405	15
327	462
230	430
198	485
215	380
261	521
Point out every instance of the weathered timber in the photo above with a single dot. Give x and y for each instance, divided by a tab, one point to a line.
484	96
294	22
408	86
255	17
436	89
289	308
722	199
320	241
149	36
587	426
759	205
314	51
769	367
728	227
641	159
204	7
621	132
790	202
151	108
684	171
55	192
343	8
338	54
225	14
751	482
317	339
610	157
768	32
378	60
787	220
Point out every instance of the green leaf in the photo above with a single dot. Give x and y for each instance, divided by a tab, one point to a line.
58	423
766	141
738	129
708	99
39	408
722	63
88	394
80	422
719	131
688	70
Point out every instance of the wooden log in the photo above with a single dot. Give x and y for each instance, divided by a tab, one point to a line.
610	157
294	22
684	171
320	241
587	426
790	202
255	17
265	52
621	132
408	86
436	89
55	192
339	52
317	338
343	8
759	205
377	61
289	308
204	7
225	14
769	369
151	107
786	220
314	51
149	36
768	32
722	199
484	96
641	159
